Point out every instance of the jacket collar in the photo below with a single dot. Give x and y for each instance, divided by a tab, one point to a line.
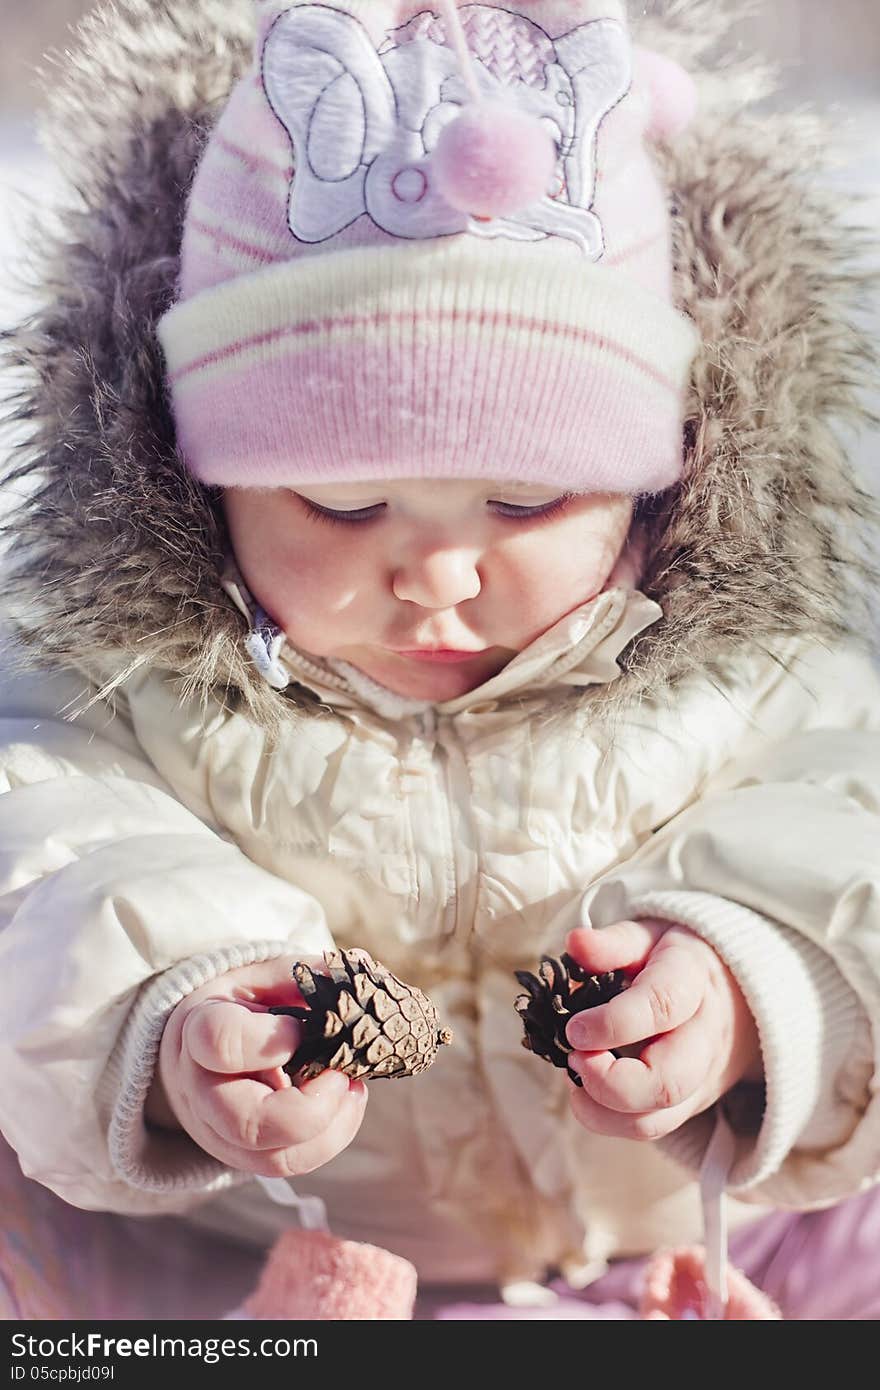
580	649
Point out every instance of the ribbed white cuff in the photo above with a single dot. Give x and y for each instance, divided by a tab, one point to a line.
149	1158
806	1014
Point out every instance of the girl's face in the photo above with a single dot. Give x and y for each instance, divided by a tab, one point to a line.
370	572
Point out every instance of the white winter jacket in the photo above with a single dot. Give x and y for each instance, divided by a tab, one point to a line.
146	853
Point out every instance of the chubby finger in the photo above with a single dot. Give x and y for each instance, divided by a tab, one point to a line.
276	1078
250	1115
269	982
668	1072
621	946
665	995
223	1036
305	1157
646	1126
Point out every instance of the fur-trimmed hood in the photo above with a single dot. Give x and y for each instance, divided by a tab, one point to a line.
118	555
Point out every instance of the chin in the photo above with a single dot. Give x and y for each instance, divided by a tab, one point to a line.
430	683
431	686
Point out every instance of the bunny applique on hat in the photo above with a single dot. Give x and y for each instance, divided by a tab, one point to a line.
418	231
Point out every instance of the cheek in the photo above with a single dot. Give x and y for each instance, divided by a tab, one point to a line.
323	585
549	577
308	577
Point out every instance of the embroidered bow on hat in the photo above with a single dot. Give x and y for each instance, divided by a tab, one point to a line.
429	241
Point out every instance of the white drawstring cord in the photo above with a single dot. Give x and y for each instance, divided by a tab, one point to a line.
456	39
312	1211
714	1171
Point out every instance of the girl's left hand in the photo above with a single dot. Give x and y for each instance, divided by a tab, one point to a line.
696	1032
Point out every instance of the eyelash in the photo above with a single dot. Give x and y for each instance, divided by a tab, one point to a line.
366	514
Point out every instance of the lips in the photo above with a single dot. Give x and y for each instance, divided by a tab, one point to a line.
440	654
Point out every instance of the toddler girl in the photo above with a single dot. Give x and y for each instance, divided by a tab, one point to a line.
451	580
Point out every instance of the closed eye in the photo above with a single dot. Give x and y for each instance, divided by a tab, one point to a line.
547	509
359	515
508	510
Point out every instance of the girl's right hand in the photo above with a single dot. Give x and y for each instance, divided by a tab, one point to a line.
220	1077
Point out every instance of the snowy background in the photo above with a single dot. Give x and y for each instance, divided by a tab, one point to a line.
829	54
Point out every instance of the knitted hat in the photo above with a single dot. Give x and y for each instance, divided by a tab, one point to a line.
371	287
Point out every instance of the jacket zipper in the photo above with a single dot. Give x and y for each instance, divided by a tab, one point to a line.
455	789
455	792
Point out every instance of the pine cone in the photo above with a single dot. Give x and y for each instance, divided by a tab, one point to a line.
362	1020
560	989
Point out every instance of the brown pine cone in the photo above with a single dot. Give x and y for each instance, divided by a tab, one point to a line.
560	989
362	1020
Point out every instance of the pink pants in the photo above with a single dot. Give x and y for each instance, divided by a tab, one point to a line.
57	1262
821	1266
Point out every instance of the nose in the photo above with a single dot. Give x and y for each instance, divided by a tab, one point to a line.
439	578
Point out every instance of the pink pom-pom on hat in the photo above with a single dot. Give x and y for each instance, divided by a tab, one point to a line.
493	160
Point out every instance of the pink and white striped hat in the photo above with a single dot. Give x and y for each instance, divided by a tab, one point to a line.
370	288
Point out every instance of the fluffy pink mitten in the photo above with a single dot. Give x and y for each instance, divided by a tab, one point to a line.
675	1289
313	1275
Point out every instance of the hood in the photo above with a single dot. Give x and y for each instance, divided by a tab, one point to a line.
117	557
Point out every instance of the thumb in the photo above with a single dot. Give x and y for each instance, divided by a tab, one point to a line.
620	946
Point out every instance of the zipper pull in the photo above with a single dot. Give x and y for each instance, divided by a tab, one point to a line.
429	722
